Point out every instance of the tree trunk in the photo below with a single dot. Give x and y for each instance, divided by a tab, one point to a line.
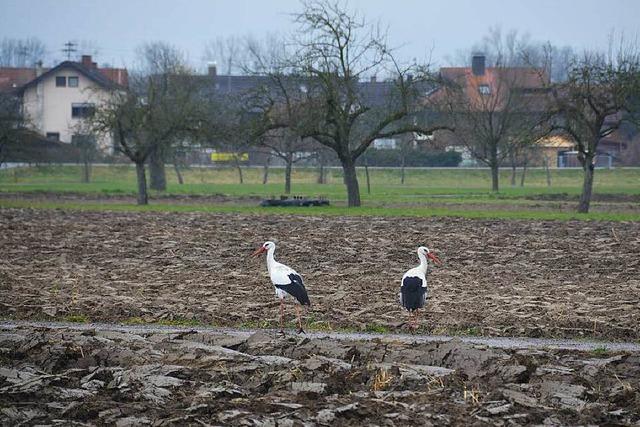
143	199
513	169
495	168
402	162
178	173
321	172
524	170
157	173
239	168
495	176
287	174
86	171
548	172
240	177
587	185
351	182
321	179
366	172
265	171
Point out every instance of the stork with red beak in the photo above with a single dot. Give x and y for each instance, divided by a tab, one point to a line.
413	289
287	282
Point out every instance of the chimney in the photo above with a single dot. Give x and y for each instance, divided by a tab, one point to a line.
213	70
39	69
477	64
373	79
86	61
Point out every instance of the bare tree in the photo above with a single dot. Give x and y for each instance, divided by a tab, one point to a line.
496	107
495	113
601	93
335	51
281	101
21	52
154	109
166	65
519	50
228	126
287	146
229	53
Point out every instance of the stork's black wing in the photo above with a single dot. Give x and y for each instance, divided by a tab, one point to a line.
412	294
296	289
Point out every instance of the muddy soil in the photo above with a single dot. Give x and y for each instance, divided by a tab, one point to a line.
499	278
108	377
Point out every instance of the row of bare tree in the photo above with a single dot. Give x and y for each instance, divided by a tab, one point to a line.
311	98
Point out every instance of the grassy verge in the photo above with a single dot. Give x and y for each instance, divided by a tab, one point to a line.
385	183
329	211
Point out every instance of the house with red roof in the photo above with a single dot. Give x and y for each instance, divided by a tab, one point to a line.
56	100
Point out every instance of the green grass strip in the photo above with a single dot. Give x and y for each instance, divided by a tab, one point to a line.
329	211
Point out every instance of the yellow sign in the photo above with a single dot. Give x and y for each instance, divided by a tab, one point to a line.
228	157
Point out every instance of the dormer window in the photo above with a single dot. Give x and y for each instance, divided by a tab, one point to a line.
61	81
484	90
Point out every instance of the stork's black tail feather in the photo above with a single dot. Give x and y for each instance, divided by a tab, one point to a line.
296	289
412	293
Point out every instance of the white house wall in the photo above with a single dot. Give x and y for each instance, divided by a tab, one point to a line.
48	107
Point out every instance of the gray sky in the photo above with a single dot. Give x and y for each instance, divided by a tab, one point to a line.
116	27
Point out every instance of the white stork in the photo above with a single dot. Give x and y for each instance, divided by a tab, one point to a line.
286	282
413	288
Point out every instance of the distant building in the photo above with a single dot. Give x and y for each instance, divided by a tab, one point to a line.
56	100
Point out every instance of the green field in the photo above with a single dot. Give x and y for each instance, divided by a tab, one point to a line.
426	192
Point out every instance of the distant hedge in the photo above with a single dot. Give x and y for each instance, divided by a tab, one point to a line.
33	148
413	158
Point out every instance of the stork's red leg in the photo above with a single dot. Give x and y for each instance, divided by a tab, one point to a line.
298	312
412	321
281	316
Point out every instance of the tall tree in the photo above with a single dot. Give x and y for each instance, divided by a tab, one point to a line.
494	113
337	50
497	104
288	147
280	101
21	52
600	94
518	50
154	109
164	64
229	53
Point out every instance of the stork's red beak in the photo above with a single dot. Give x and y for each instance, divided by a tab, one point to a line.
258	251
434	258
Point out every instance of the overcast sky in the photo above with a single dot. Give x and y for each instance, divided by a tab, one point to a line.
116	27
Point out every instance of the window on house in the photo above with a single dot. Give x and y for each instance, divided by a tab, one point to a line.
484	90
72	81
61	81
82	110
53	136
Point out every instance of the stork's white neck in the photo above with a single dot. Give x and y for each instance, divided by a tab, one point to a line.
270	259
424	264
